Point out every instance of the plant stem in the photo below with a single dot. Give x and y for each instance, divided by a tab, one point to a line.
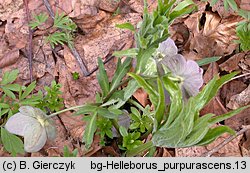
64	110
114	90
136	104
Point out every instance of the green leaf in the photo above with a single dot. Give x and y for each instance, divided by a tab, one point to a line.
57	38
127	25
135	112
13	87
213	2
141	148
90	131
134	125
38	20
12	143
183	4
128	92
123	131
64	22
103	78
120	72
226	5
153	95
8	92
185	7
220	118
87	109
106	113
214	133
9	77
128	53
28	90
232	4
175	97
208	60
200	129
4	105
160	109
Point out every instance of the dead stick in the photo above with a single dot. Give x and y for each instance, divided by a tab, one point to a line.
75	53
30	48
218	147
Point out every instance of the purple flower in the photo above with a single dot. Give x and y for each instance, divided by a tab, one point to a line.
187	72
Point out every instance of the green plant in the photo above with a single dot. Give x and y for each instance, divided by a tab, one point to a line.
130	140
14	96
104	127
62	23
141	122
165	75
67	153
75	75
52	100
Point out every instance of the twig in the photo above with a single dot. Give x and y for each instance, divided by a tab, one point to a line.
218	147
30	49
75	53
47	5
240	76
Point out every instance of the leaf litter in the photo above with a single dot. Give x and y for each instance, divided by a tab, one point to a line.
207	32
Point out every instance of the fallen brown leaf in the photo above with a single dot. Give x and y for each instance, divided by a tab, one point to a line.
232	63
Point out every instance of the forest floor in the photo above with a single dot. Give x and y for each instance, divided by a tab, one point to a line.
207	32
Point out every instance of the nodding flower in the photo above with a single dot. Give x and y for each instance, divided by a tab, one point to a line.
34	125
186	72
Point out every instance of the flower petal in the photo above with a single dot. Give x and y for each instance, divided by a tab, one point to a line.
176	64
35	137
168	48
50	131
40	113
17	123
28	111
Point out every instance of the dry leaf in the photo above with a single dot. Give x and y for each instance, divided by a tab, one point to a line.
232	63
240	100
214	39
9	58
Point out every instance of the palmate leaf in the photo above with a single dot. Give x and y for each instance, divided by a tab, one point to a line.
64	22
11	143
9	77
38	20
57	38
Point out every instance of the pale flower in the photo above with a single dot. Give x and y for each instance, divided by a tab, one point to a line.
34	125
187	72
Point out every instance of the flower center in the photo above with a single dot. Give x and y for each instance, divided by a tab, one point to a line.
41	121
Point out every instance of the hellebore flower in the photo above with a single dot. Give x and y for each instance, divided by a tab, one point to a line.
186	72
33	124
